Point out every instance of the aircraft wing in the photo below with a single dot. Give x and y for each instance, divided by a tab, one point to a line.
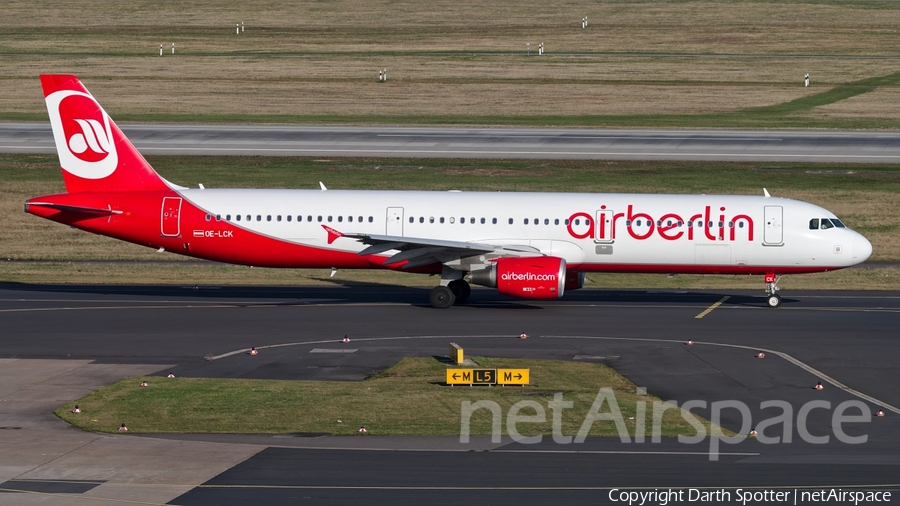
419	251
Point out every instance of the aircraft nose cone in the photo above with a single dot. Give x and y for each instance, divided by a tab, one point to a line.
862	248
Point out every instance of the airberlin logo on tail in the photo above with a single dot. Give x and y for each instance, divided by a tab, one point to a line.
83	134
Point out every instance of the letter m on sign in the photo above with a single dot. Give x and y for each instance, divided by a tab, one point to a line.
507	376
467	376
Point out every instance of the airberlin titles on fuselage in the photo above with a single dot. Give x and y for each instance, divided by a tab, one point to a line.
670	226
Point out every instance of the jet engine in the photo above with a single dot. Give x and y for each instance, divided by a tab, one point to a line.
528	278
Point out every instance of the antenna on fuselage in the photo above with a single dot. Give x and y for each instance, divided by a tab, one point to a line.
766	193
322	186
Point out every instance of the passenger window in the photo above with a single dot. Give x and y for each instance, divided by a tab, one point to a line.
482	221
238	217
411	219
218	217
690	224
278	218
370	219
826	224
289	217
227	217
360	219
814	224
350	219
730	224
472	220
320	219
421	219
556	221
258	217
249	218
268	217
680	223
340	219
526	221
329	219
442	219
578	221
207	217
431	219
669	223
710	225
627	223
510	221
567	221
452	220
309	218
740	224
546	221
537	221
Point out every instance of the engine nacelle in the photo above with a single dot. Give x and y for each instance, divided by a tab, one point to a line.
528	278
574	280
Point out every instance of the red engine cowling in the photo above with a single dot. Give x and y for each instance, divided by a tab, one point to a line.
528	278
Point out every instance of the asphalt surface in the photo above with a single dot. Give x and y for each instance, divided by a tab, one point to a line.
285	140
847	340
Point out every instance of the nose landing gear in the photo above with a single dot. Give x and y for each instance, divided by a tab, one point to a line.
772	298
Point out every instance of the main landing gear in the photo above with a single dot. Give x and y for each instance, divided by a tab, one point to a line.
453	289
772	298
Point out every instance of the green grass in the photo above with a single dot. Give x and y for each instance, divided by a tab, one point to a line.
408	398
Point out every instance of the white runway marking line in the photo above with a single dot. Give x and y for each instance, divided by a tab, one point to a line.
711	308
536	488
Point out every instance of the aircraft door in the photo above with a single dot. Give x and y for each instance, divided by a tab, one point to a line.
773	233
394	221
170	217
603	223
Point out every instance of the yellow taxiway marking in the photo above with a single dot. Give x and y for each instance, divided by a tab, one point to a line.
710	308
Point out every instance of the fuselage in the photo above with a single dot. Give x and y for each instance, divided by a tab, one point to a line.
723	234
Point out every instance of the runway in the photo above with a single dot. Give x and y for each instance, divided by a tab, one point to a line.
598	144
848	340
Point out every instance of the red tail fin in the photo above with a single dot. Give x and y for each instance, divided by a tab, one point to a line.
93	153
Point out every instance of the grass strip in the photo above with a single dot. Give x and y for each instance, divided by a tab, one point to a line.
409	398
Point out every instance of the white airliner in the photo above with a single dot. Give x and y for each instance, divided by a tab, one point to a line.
529	245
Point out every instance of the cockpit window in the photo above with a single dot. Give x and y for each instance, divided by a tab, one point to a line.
826	224
814	224
838	223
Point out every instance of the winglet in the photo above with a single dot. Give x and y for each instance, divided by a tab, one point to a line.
766	193
333	234
322	186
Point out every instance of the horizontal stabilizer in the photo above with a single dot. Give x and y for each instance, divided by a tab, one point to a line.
74	209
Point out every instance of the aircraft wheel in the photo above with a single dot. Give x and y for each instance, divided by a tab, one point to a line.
441	297
461	290
773	300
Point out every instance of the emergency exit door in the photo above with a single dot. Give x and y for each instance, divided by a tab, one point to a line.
170	217
773	233
394	221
